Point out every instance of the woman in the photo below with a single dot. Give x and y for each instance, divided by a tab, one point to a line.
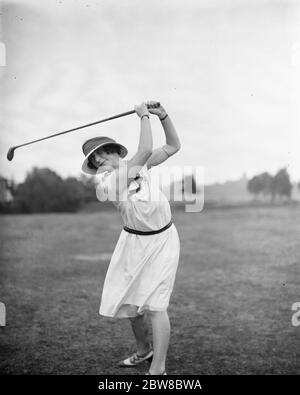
141	273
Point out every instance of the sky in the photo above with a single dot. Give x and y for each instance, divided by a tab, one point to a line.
227	72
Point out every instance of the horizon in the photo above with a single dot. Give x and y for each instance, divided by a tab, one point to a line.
162	176
226	71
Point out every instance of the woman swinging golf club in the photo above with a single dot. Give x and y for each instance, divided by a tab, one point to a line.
141	273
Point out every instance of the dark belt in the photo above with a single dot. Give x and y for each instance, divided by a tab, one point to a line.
151	232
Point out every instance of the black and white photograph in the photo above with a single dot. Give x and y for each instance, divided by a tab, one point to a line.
150	190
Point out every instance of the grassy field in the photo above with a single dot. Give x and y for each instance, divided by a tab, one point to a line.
230	312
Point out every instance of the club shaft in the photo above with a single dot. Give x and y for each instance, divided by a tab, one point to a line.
79	127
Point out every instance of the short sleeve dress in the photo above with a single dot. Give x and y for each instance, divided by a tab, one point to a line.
141	273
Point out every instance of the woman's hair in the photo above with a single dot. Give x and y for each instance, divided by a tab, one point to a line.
112	148
91	166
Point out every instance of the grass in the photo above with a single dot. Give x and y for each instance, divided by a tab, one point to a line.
230	310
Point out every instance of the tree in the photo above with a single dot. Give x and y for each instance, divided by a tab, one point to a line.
267	182
89	188
255	186
278	185
73	194
45	191
282	183
261	184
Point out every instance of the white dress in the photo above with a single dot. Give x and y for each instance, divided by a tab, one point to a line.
142	269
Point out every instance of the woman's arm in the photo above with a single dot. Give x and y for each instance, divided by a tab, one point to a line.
145	146
172	145
122	177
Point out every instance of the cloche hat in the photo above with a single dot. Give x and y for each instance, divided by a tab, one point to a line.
92	145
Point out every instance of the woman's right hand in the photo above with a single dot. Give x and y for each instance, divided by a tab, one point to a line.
141	109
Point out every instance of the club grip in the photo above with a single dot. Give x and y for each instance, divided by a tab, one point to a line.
156	105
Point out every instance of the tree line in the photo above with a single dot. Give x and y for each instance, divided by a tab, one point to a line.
44	191
266	185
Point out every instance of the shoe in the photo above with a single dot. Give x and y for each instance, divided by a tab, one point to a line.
149	374
136	359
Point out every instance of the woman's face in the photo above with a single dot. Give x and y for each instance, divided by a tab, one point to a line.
104	161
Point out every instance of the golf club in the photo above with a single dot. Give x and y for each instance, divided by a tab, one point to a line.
11	151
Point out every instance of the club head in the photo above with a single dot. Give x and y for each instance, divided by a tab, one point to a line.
10	153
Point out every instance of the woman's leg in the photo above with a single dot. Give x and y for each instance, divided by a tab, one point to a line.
161	336
140	329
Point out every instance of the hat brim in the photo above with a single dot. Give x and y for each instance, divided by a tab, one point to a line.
86	169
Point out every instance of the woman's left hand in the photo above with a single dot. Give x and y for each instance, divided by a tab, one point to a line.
153	109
